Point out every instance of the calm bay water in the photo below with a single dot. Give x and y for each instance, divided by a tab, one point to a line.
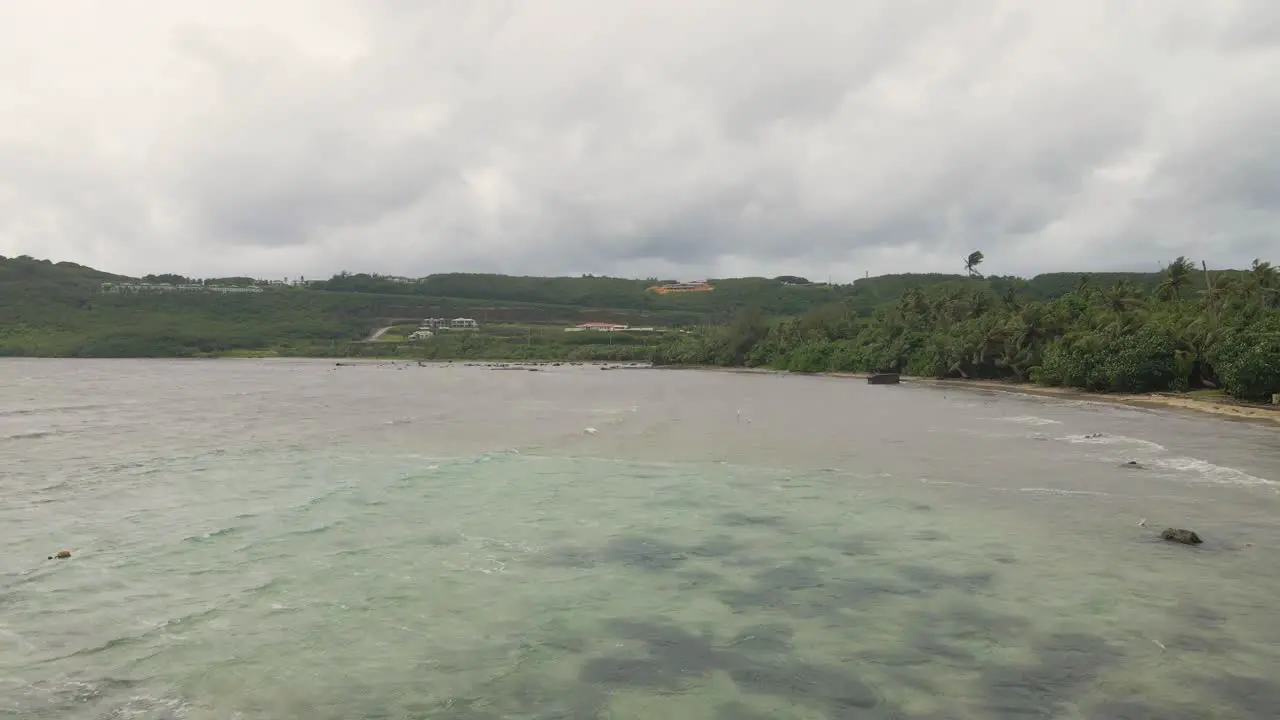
272	539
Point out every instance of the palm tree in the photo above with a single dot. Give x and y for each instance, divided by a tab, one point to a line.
1176	277
1121	296
972	262
989	337
1009	296
1083	284
1263	283
1219	289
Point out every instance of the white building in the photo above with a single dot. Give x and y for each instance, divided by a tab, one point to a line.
146	288
463	323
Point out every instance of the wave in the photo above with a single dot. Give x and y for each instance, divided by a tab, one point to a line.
71	694
211	534
1060	491
1208	472
53	409
316	530
1029	420
1104	439
29	435
154	629
145	707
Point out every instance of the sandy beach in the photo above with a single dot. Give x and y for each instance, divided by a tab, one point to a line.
1214	405
1221	406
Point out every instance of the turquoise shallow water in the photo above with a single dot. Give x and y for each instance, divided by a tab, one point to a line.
291	540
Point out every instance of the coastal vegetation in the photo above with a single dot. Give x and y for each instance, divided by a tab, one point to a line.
1183	328
1189	328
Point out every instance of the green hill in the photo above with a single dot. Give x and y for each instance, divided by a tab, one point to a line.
60	309
620	295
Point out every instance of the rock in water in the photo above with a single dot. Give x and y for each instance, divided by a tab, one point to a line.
1178	535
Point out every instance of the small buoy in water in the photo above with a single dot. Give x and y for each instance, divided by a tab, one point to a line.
61	555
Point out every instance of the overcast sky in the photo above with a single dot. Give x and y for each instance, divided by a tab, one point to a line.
677	138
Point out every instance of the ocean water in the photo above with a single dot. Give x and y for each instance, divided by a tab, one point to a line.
280	539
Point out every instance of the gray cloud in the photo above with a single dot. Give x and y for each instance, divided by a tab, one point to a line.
650	137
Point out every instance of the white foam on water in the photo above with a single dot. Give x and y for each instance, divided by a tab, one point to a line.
1059	491
145	707
1205	471
1029	420
1103	439
991	435
31	435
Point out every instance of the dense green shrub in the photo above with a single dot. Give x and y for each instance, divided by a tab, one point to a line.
1247	360
1150	336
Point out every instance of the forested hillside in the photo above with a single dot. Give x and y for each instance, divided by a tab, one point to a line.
771	296
1185	328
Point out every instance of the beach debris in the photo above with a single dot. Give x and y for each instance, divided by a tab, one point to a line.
60	555
1179	535
590	431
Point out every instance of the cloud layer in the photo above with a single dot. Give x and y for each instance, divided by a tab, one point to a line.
639	137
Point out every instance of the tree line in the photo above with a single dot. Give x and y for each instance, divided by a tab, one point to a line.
1182	328
1191	328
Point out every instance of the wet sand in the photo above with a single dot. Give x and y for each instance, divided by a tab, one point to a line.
1223	406
1216	406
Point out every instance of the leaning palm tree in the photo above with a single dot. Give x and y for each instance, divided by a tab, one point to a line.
1176	277
1266	273
1263	283
971	263
1084	284
1121	296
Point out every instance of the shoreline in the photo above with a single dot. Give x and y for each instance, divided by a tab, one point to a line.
1224	407
1219	406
